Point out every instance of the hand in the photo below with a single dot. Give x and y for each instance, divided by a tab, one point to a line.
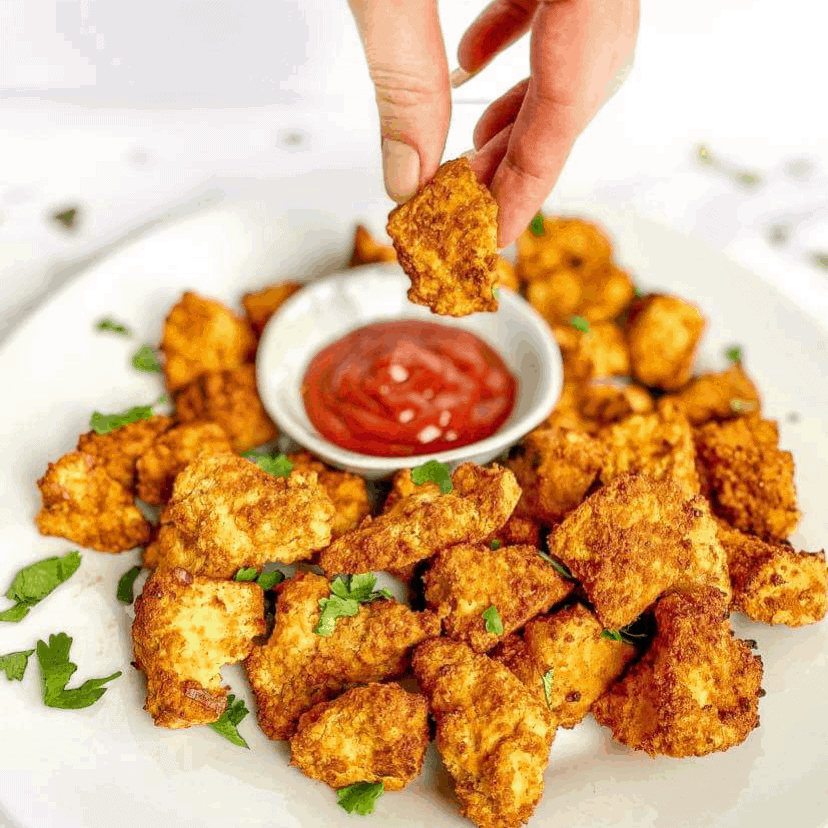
578	49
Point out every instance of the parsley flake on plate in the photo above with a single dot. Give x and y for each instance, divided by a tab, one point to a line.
144	359
276	464
734	353
104	423
558	566
580	324
55	672
125	584
14	664
113	327
267	580
495	545
432	472
228	724
547	678
536	225
360	798
345	598
34	582
68	218
493	623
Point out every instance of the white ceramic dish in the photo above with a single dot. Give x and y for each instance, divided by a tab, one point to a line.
108	765
329	308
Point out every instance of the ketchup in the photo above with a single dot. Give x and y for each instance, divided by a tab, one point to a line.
396	389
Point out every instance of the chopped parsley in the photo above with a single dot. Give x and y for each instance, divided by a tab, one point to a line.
496	292
495	545
734	353
68	218
55	672
580	324
547	678
432	472
144	359
742	406
360	798
104	423
536	225
14	664
623	634
276	464
346	596
613	635
125	584
493	623
228	725
34	582
248	574
267	580
558	566
113	327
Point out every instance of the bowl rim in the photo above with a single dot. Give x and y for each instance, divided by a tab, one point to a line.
549	355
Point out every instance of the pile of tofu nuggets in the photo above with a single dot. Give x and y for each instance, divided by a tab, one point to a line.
614	542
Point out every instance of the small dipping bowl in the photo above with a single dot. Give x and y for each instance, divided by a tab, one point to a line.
327	309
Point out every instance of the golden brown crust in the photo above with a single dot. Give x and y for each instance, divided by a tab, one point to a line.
367	250
376	733
260	305
519	530
604	403
422	524
492	733
171	452
695	691
231	399
636	539
663	333
599	352
83	504
719	396
202	335
185	630
506	276
446	241
466	580
298	669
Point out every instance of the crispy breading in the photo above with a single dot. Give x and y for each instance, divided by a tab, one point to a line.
118	450
601	351
347	491
583	663
663	333
231	399
603	403
231	514
419	526
375	733
446	241
202	335
555	468
466	580
506	275
567	410
403	486
260	305
774	583
83	504
695	691
493	734
721	396
557	295
519	530
659	445
636	539
297	669
185	630
750	481
171	452
367	250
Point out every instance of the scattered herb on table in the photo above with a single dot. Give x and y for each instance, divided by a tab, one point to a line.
34	582
228	724
104	423
14	664
113	327
144	359
126	583
360	798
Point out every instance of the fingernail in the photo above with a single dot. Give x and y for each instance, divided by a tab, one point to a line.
459	76
401	168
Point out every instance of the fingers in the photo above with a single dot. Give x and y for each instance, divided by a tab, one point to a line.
500	114
499	25
407	62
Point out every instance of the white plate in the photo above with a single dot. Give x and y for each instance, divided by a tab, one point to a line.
108	765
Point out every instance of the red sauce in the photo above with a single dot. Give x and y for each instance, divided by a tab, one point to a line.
396	389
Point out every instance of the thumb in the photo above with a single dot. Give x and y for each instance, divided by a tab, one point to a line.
407	62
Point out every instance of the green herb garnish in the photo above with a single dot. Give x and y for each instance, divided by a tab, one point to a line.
14	664
546	678
228	725
248	574
113	327
267	580
493	623
346	596
33	583
613	635
623	634
536	225
432	472
557	566
742	406
734	353
144	359
276	464
68	218
360	798
104	423
126	583
580	324
495	545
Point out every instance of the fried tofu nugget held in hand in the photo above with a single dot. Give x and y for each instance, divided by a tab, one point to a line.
749	480
185	630
446	241
723	396
493	734
571	652
83	504
375	733
260	305
298	668
774	583
367	250
466	580
695	691
231	514
231	399
636	539
420	525
202	335
171	452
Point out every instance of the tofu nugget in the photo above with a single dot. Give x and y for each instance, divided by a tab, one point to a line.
171	452
367	250
663	333
774	583
185	630
493	734
376	733
298	668
446	241
464	581
419	526
231	514
600	351
262	304
606	402
202	335
635	539
519	530
749	480
659	445
695	691
571	652
231	399
721	396
555	468
557	295
83	504
347	491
